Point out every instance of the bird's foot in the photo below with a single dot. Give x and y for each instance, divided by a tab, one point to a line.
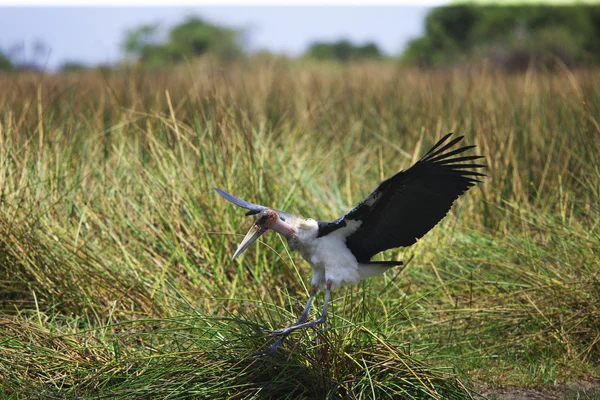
271	351
290	329
278	332
323	327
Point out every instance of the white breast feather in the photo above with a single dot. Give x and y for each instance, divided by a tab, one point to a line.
328	255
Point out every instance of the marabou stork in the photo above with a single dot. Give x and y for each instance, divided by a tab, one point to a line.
400	210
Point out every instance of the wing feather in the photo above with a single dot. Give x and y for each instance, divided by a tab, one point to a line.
407	205
253	208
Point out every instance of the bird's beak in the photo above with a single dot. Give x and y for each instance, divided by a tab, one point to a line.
253	234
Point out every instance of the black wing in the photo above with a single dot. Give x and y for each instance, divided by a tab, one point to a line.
406	206
253	208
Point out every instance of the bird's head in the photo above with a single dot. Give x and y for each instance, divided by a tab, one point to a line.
266	219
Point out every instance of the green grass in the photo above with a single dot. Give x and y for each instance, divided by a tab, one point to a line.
116	277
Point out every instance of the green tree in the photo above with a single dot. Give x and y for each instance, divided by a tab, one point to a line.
72	66
5	63
500	33
136	40
343	51
194	37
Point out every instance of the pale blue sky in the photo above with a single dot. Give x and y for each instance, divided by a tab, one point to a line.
94	34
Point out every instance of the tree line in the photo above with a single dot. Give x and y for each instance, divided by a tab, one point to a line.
513	36
510	36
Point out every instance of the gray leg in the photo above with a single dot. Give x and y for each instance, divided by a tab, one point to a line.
300	324
303	316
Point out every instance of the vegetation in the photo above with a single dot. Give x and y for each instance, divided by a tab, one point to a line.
343	51
514	35
116	277
192	38
72	66
5	64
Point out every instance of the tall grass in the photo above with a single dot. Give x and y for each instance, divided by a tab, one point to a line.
115	270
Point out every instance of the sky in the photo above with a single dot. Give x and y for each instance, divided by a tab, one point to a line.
93	35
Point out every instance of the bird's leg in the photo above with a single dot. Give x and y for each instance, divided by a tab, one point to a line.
320	320
300	324
304	315
273	348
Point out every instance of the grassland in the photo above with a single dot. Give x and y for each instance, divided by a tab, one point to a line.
115	272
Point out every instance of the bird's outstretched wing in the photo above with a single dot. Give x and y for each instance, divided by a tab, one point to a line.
407	205
251	207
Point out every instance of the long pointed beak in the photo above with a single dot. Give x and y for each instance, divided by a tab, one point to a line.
254	233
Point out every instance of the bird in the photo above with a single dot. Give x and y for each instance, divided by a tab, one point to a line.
397	213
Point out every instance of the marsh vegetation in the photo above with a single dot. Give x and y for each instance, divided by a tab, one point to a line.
116	277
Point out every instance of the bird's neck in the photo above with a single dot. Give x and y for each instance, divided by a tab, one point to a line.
284	229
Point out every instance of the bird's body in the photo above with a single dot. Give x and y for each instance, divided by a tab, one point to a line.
398	212
328	255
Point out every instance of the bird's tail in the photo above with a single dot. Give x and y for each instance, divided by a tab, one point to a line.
374	268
